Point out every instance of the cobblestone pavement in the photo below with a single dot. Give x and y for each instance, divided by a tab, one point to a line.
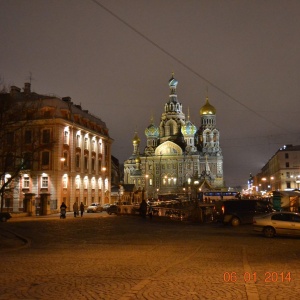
123	257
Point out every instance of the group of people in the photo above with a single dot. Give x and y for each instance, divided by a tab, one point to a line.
143	209
76	211
75	208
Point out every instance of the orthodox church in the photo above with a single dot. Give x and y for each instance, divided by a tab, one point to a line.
179	157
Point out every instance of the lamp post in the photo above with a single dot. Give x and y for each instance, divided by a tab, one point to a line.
197	215
196	184
58	177
189	189
146	188
103	169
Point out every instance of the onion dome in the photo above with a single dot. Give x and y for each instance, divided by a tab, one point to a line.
138	160
152	131
136	140
188	128
173	82
207	109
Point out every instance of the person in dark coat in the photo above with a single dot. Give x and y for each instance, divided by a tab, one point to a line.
81	209
150	212
143	209
63	205
75	209
63	208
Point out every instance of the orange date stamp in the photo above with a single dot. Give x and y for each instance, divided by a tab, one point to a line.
247	277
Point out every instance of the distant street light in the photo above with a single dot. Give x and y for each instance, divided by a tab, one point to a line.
146	188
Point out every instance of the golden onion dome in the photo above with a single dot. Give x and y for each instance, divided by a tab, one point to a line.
136	139
207	109
138	160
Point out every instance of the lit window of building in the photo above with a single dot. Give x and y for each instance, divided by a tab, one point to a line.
86	143
85	183
26	182
65	181
100	146
94	145
77	182
78	139
66	137
44	181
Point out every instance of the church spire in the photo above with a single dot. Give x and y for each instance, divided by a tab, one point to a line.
173	84
136	144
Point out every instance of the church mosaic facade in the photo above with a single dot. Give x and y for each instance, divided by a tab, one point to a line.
178	157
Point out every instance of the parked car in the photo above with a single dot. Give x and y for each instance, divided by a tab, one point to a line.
278	223
94	207
4	216
236	212
106	206
113	209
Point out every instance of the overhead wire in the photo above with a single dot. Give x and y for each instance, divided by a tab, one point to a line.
97	2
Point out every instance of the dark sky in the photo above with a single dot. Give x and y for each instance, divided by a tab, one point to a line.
115	57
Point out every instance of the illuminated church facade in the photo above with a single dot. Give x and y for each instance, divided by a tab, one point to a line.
179	157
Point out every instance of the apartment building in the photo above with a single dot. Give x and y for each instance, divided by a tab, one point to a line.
71	157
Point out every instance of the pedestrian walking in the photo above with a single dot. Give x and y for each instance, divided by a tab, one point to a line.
143	209
75	209
81	209
150	212
63	210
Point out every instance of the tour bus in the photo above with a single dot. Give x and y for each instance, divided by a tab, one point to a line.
212	196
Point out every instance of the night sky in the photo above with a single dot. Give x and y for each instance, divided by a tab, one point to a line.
115	57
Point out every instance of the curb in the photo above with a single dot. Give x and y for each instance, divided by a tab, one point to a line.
13	235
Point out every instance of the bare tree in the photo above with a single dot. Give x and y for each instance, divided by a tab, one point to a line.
3	87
